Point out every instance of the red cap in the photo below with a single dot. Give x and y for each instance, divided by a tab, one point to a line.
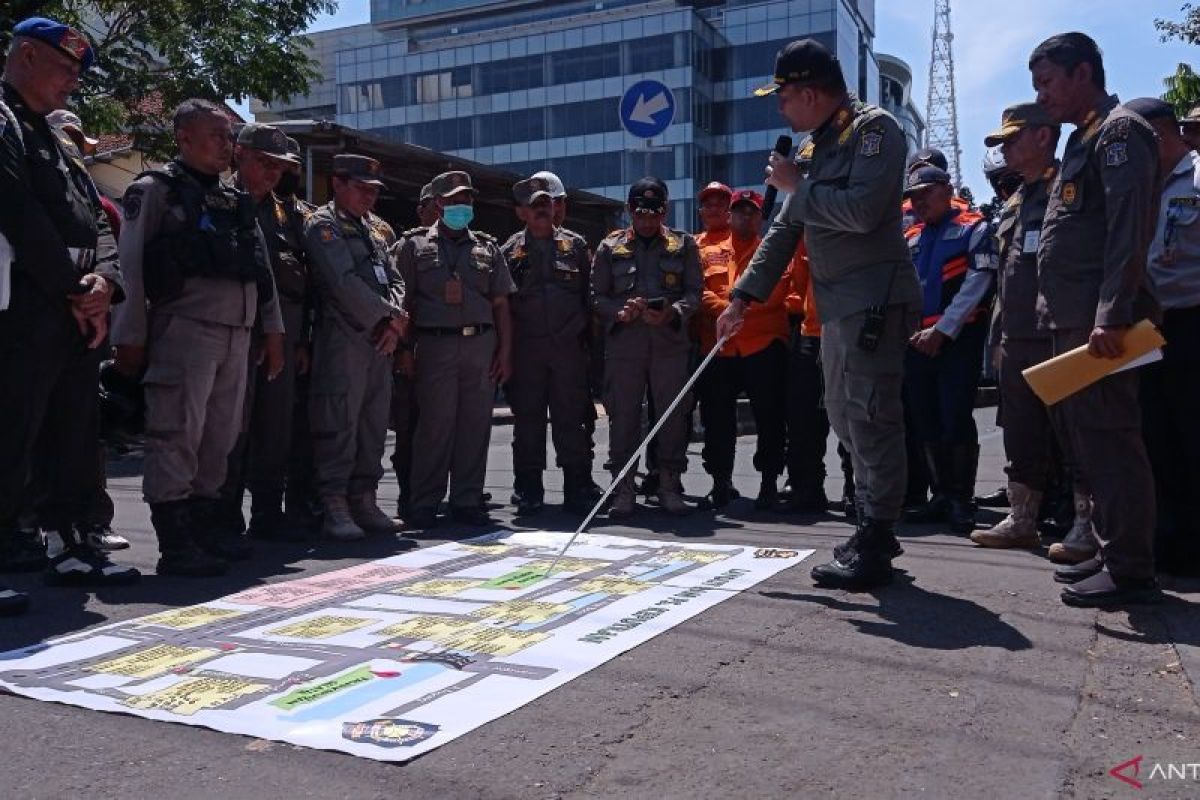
715	186
747	196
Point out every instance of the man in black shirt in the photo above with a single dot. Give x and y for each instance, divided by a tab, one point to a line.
61	280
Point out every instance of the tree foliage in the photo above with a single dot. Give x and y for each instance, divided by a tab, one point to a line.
1183	90
170	50
1187	30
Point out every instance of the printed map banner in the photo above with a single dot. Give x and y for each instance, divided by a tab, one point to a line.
390	659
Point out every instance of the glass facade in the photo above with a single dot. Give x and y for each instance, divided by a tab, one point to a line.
526	85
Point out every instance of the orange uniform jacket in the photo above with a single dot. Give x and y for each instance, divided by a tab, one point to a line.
801	299
723	260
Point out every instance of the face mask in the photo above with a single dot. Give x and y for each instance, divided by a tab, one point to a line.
288	184
458	217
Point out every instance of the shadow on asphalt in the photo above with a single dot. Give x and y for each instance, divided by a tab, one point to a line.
63	610
917	617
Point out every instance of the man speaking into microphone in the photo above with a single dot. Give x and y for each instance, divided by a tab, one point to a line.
847	209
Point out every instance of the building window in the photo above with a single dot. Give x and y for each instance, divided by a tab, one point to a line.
433	87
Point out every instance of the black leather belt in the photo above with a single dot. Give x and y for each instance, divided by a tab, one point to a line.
465	330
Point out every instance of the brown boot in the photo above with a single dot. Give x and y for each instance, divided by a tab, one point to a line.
1080	543
338	523
624	499
365	511
670	494
1019	528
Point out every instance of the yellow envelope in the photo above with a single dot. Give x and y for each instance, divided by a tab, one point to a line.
1063	376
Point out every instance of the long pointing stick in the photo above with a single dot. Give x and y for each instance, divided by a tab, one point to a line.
662	418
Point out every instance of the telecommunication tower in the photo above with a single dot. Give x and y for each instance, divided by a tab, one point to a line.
941	109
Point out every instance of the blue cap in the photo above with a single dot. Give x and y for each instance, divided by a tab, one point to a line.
60	36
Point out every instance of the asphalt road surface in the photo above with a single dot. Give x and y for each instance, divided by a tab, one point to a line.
967	678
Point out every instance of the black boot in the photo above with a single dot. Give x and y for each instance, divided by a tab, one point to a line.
961	467
650	485
75	562
804	499
580	492
722	492
528	494
12	602
865	562
215	531
892	548
996	499
269	523
179	553
937	456
768	494
22	550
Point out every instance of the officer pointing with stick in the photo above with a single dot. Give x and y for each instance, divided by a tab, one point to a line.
847	210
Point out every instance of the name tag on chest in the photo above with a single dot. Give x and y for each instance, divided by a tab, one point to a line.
1030	245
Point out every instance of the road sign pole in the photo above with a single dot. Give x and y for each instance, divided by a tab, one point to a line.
649	158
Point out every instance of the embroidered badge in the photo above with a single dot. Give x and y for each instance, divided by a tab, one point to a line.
871	142
674	244
670	280
1069	193
131	204
1116	154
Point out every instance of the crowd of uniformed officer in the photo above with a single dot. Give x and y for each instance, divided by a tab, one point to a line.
276	343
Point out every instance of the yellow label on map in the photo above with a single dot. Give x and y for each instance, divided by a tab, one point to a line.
486	548
527	611
696	556
154	661
439	587
321	627
429	628
616	586
185	618
194	694
485	640
569	565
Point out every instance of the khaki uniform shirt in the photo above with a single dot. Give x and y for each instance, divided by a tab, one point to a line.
847	211
428	260
552	277
1018	234
355	278
1098	225
627	266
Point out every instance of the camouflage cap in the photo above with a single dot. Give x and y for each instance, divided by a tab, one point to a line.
426	194
1017	118
449	183
527	191
294	151
557	189
70	121
266	139
358	168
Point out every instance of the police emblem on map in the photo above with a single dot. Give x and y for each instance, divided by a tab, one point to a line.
1116	154
871	142
388	732
1068	193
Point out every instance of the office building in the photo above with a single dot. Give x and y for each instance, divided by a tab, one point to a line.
526	85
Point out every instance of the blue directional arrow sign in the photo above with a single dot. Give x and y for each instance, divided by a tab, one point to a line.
647	109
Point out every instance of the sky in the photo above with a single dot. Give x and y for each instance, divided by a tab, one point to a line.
992	42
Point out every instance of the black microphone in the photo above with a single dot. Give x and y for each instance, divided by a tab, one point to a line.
783	146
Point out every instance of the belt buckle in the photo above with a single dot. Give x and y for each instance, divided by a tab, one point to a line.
469	330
